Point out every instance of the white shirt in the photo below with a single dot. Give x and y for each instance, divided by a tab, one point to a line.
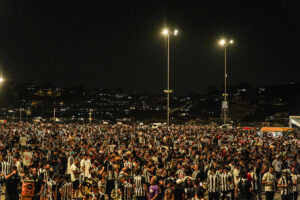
82	166
87	168
70	162
73	176
23	141
277	164
27	156
19	166
236	174
270	178
295	179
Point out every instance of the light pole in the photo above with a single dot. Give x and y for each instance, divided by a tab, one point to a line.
21	109
225	106
54	117
90	113
168	34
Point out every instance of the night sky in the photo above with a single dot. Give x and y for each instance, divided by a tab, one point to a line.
117	44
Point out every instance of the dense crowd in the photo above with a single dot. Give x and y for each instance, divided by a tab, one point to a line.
70	161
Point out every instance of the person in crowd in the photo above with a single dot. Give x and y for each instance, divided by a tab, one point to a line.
226	181
153	189
139	185
86	186
295	182
243	188
269	179
125	188
285	185
13	181
75	178
213	185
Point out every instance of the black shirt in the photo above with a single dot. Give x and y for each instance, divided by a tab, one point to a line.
88	183
38	181
12	184
244	187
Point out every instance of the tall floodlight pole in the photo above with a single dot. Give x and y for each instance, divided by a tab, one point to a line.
225	107
54	117
168	34
90	114
20	114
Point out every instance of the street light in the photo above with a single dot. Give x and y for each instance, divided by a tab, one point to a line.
168	34
90	114
1	79
224	43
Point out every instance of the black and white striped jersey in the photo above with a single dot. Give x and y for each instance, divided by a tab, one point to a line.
50	189
127	192
66	191
285	181
147	175
213	183
139	189
10	160
44	174
225	182
180	173
5	168
128	164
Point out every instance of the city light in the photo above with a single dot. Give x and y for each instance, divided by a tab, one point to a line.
176	32
165	32
222	42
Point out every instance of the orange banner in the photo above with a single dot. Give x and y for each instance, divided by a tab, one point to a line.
276	129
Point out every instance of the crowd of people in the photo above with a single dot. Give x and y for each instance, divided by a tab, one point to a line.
49	161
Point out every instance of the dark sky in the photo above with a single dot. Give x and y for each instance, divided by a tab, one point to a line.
117	44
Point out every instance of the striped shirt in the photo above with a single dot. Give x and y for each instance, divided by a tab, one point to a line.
127	192
66	190
147	175
128	164
10	160
225	180
139	181
5	168
285	181
213	183
180	173
50	189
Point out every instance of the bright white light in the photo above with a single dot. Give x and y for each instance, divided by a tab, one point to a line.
222	42
176	32
165	32
1	79
231	41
